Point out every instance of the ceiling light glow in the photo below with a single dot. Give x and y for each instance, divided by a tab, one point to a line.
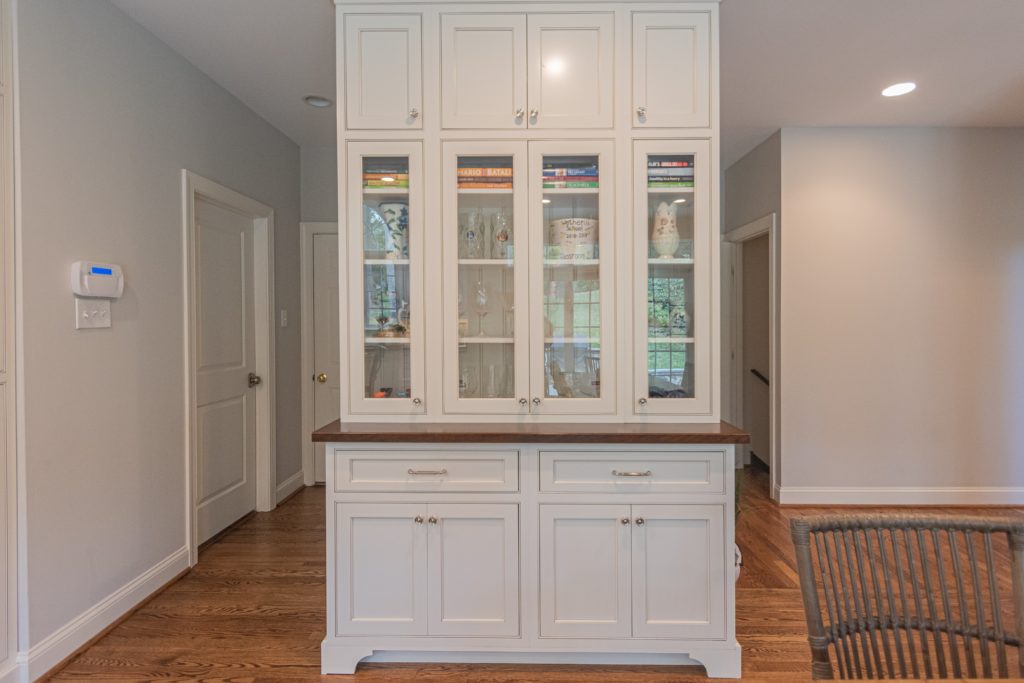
897	89
681	200
318	101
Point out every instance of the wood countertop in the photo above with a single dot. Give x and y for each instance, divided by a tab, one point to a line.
474	432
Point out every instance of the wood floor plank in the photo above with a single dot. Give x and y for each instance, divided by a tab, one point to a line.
253	611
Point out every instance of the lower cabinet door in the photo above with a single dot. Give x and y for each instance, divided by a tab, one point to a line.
584	571
679	571
473	572
380	560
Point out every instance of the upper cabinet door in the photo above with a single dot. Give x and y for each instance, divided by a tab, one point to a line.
483	70
571	80
383	88
671	70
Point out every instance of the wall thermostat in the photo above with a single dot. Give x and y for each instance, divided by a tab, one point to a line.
97	280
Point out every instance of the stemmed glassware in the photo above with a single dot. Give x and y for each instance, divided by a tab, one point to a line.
481	299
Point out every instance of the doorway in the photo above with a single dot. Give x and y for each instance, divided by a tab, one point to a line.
229	347
753	359
321	355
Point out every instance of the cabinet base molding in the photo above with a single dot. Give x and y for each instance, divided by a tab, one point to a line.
720	660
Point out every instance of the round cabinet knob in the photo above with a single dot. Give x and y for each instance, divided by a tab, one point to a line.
322	377
414	113
642	401
432	520
418	519
639	521
536	401
625	521
417	401
533	113
519	113
523	401
641	111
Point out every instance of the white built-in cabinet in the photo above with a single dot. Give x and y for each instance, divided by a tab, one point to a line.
632	571
671	69
383	71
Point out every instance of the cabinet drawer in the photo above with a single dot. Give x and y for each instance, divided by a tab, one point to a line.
439	470
633	472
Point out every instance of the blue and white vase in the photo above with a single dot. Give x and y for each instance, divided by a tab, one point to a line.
396	215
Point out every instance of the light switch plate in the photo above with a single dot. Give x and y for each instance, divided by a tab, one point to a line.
92	313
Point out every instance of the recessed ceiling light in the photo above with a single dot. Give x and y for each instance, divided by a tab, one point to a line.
897	89
318	101
545	201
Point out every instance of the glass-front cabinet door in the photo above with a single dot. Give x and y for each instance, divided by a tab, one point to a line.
385	275
485	244
672	267
572	238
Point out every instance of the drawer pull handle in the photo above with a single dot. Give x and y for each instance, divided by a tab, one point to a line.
646	473
428	472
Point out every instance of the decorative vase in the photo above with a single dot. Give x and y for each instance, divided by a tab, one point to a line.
679	322
664	231
396	215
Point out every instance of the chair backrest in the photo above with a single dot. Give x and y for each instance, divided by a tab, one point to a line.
912	596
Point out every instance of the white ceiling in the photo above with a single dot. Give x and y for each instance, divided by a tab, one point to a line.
784	62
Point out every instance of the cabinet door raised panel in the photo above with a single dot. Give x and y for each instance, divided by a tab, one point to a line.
570	67
383	79
380	563
473	572
679	571
584	571
483	71
671	70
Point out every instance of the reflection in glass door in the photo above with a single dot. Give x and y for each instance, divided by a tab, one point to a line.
671	199
384	242
485	239
573	232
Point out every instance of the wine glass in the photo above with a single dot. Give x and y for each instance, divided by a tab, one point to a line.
481	299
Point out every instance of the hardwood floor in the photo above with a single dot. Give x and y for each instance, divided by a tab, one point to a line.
253	610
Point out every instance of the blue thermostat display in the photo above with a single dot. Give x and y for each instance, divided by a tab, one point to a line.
97	279
98	270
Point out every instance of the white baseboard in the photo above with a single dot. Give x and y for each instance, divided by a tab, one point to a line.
13	671
901	495
290	485
49	652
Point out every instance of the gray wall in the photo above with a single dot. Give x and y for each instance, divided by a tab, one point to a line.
903	307
753	185
319	183
109	117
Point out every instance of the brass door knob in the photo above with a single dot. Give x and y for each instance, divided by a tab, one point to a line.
322	377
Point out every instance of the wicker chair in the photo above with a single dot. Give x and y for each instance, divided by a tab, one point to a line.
912	596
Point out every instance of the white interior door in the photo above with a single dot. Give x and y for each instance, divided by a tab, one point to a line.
584	571
384	87
326	354
225	357
473	571
671	69
678	571
381	557
483	70
571	82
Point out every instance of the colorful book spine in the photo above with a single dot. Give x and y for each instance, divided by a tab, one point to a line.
560	184
381	176
677	183
489	172
669	172
571	171
485	186
381	183
669	164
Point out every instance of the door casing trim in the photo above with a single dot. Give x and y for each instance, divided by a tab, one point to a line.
193	186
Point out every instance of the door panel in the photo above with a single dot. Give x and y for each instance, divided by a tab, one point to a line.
383	59
671	70
381	558
483	70
473	574
678	571
584	571
571	80
326	354
225	355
